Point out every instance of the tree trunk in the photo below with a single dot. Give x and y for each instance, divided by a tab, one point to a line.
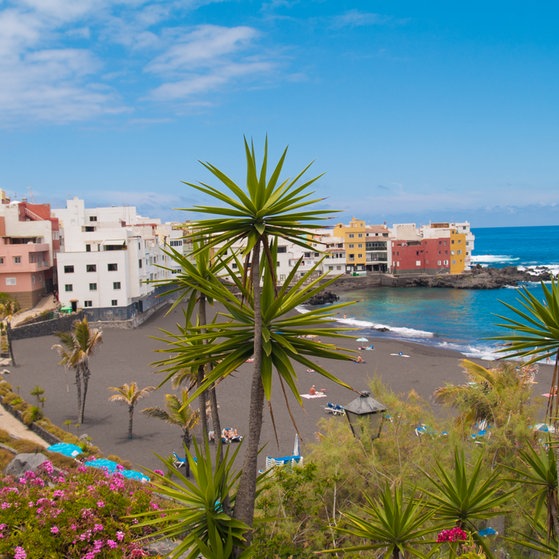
186	440
79	392
85	379
246	494
130	421
200	373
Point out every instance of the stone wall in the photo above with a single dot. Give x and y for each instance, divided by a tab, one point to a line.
59	323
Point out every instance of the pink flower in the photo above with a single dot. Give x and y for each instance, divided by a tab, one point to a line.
453	535
111	544
100	504
158	472
20	553
98	527
120	535
54	530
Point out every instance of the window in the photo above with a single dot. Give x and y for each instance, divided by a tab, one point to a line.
92	218
91	268
92	287
17	259
87	248
1	260
11	281
112	267
114	302
69	269
140	263
176	243
282	250
89	228
116	285
88	303
68	287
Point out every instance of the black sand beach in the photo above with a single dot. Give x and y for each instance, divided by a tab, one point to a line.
126	356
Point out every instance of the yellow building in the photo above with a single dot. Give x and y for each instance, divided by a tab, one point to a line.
458	252
354	236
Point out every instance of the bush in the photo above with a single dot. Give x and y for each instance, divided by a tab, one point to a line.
75	514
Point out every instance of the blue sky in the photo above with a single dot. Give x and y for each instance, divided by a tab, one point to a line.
415	111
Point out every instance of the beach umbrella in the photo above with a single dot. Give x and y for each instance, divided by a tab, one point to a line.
67	449
361	340
134	474
103	463
544	428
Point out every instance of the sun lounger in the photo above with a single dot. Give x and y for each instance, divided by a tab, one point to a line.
334	409
272	462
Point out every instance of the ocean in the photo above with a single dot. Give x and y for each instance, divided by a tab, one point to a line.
458	319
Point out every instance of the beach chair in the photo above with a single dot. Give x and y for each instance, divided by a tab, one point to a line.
283	461
334	409
178	461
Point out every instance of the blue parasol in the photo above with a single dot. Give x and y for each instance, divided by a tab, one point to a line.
67	449
134	474
103	463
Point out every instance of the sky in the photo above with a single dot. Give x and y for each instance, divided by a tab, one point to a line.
414	111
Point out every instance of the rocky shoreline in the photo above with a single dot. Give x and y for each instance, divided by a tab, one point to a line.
478	277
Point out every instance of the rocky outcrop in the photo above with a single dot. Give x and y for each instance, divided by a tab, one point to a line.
477	278
323	298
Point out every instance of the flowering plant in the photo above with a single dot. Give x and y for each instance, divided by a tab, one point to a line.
77	514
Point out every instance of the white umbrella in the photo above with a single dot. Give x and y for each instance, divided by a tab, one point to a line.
296	447
362	340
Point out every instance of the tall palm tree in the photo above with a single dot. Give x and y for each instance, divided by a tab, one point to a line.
75	349
205	267
534	336
178	412
266	209
130	394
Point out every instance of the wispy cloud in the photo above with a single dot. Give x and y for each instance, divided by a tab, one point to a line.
62	61
356	18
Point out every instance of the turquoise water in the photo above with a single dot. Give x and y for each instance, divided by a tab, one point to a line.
460	319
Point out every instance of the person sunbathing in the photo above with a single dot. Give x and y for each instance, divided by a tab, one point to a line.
312	390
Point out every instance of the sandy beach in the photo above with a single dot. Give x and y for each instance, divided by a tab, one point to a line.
127	355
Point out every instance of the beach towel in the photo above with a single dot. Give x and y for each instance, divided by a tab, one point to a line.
317	395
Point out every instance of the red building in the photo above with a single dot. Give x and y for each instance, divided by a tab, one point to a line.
422	256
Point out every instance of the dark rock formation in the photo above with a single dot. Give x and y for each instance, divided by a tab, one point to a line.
323	298
477	278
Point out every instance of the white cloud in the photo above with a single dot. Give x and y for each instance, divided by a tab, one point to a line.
202	47
66	61
195	84
356	18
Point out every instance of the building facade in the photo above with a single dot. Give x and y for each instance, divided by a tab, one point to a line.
109	259
29	242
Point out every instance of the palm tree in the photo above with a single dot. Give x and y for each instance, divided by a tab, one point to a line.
205	268
75	349
8	307
130	394
255	217
534	336
490	394
196	516
389	523
179	413
464	494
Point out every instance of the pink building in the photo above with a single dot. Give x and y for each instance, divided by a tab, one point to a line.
29	241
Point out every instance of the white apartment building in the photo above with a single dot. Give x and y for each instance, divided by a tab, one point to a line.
108	257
